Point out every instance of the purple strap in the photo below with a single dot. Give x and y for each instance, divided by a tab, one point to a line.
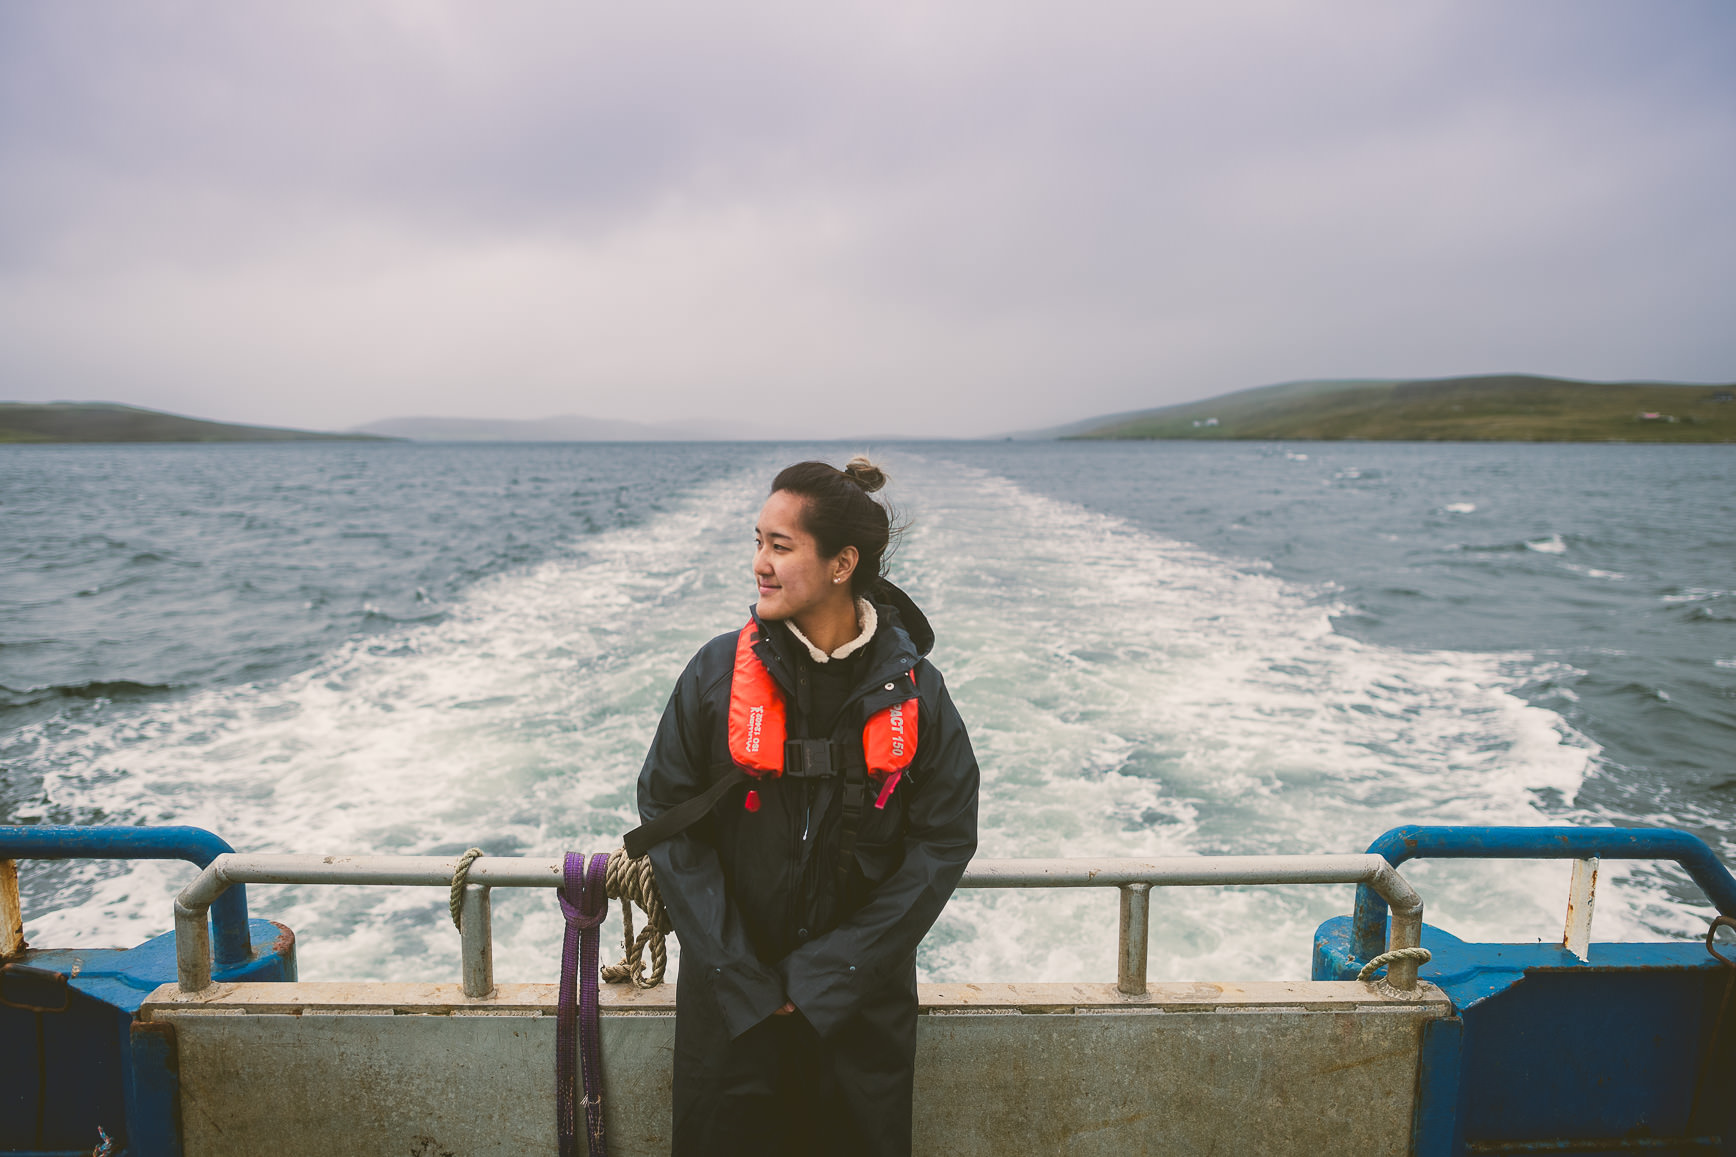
578	1003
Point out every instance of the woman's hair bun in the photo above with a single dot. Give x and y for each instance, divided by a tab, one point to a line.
865	474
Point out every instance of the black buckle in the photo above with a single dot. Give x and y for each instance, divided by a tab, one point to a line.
808	758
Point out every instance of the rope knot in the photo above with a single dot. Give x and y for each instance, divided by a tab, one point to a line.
460	878
1420	955
592	898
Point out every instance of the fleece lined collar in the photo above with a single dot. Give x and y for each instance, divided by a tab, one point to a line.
865	615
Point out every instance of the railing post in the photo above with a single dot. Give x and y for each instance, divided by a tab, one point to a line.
1581	893
1135	931
476	941
192	947
11	911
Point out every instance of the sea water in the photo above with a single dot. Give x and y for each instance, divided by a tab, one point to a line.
1159	648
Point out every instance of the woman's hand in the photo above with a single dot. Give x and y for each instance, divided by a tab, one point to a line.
785	1010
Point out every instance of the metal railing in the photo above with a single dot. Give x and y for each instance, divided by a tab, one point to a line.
1586	846
56	842
1134	879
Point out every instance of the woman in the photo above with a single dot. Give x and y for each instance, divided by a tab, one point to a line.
812	797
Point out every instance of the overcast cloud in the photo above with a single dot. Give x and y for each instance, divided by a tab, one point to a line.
852	219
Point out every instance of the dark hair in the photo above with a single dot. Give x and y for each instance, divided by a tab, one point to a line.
839	513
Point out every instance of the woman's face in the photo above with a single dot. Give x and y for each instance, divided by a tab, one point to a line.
792	576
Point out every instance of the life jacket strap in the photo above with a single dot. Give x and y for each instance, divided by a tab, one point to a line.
682	816
855	793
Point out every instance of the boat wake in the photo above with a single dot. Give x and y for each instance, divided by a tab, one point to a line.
1128	695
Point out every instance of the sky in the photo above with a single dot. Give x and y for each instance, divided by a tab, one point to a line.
841	219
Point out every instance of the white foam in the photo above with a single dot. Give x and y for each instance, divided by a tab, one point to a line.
518	723
1696	595
1127	695
1131	695
1460	508
1551	545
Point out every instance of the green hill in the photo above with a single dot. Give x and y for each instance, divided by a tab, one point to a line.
107	422
1490	408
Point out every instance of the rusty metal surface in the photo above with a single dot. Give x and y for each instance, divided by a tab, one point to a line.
1581	895
11	911
1270	1067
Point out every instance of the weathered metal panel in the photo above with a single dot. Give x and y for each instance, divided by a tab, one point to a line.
1271	1081
335	1083
1277	1068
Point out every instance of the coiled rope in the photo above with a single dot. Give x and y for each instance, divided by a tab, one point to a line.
632	882
1420	955
629	881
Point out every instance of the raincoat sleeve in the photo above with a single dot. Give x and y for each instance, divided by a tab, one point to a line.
832	976
689	874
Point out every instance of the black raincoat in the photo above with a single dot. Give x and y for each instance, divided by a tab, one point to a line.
763	915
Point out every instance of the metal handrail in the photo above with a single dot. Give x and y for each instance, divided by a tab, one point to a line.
196	845
1416	841
1134	879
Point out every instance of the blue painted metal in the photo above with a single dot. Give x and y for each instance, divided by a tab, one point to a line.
1469	973
1557	843
63	1073
1435	1120
123	977
1584	1053
154	1119
1615	1053
47	842
1605	1146
1560	1054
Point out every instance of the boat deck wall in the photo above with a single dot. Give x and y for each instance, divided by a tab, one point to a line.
1275	1067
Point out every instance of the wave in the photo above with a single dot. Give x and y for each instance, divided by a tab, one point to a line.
1542	544
96	689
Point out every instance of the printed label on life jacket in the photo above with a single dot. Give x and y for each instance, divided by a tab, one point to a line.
889	737
756	711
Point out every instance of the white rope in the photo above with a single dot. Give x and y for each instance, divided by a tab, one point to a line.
1420	955
461	876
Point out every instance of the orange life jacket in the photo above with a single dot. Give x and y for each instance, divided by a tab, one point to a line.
757	728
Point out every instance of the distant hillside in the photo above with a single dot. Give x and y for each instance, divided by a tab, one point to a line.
107	422
563	428
1490	408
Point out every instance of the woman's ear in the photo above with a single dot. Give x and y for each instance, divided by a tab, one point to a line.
845	564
